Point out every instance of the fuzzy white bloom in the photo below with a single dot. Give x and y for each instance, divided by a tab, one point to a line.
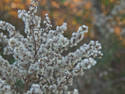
75	91
35	89
7	26
4	88
40	66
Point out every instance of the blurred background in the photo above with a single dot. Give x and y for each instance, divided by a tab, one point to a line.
106	22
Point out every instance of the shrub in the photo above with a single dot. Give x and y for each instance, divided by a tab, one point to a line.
40	65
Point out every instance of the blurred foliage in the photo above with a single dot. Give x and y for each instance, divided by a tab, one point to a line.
108	77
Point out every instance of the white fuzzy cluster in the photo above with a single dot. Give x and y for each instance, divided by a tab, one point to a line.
40	66
4	88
